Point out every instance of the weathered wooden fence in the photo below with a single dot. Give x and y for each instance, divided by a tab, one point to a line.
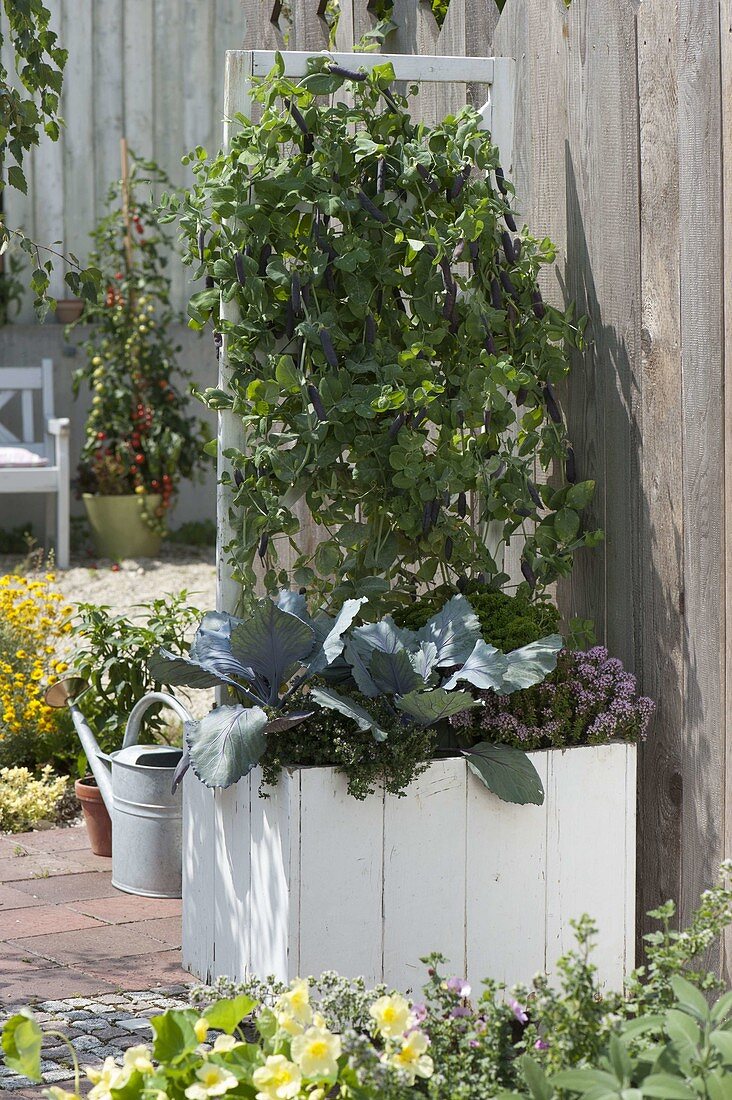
150	69
623	147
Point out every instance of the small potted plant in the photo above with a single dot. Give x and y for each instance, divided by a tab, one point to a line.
140	439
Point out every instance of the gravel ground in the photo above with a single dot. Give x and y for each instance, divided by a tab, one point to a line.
132	582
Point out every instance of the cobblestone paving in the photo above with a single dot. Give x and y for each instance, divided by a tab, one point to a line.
98	1027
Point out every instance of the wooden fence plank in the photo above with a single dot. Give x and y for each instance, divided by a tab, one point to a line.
309	29
108	101
78	134
48	214
139	64
662	628
702	807
725	26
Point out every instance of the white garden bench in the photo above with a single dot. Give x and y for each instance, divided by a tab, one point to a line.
28	466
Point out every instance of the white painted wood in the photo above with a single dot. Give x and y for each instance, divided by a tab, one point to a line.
406	66
341	877
139	64
198	878
48	222
422	831
506	884
588	797
107	101
78	135
367	887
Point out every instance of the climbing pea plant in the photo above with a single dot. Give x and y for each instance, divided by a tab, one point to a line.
392	362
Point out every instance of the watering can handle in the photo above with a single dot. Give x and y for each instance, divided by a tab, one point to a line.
132	729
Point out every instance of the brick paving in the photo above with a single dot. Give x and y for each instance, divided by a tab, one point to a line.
87	957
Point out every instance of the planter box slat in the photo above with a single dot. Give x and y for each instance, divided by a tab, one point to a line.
309	879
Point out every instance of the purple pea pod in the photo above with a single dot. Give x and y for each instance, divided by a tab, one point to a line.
449	303
295	295
448	548
238	478
489	344
264	256
517	247
347	74
419	416
534	494
297	118
474	253
435	511
521	394
496	296
487	420
305	295
447	278
571	466
430	250
499	471
458	253
551	404
506	282
329	279
390	99
523	511
379	299
368	206
316	402
399	300
426	518
370	329
501	180
460	418
512	313
327	345
263	544
380	176
201	243
508	247
209	282
396	425
454	325
459	182
528	574
461	584
428	178
510	221
462	505
537	303
239	268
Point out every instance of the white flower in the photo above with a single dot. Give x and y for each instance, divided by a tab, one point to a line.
138	1058
411	1057
212	1081
392	1015
277	1079
316	1052
110	1076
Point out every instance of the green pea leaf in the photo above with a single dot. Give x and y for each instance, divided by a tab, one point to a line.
21	1042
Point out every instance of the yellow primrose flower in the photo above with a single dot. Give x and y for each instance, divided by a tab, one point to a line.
225	1043
138	1058
392	1015
316	1052
412	1058
201	1029
212	1081
296	1002
57	1093
110	1076
277	1079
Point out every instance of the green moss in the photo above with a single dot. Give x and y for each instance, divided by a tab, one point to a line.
507	622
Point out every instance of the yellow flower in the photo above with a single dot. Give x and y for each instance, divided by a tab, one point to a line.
293	1011
110	1076
277	1079
412	1058
316	1052
201	1029
212	1081
225	1043
392	1015
21	655
138	1058
57	1093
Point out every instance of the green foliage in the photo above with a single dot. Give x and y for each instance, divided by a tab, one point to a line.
16	540
26	799
507	622
328	739
376	372
195	532
139	434
112	655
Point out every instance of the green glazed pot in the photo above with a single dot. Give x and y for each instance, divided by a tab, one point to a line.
118	525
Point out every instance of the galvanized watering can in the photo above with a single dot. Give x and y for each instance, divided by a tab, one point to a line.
136	784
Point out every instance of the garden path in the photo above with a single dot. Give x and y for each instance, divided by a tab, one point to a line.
81	952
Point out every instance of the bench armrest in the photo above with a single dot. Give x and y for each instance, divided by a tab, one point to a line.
59	426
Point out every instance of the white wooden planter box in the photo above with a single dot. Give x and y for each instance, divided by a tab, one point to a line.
310	879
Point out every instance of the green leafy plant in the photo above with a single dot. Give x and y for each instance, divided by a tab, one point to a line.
112	652
140	437
26	799
389	351
506	622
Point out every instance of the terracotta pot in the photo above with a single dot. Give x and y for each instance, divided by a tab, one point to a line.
68	310
118	524
96	816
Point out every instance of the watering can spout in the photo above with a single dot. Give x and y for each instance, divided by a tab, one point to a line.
64	693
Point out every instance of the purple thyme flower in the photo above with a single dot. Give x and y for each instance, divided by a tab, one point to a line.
541	1045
